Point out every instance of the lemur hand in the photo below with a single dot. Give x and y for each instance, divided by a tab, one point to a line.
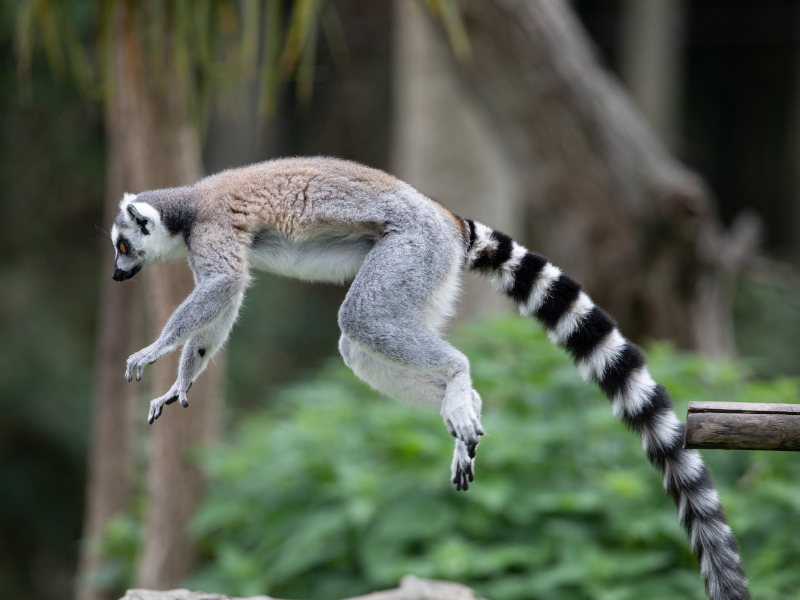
139	360
157	405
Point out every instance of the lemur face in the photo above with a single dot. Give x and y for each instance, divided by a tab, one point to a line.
139	238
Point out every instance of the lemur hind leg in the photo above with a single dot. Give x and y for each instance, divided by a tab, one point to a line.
390	320
413	386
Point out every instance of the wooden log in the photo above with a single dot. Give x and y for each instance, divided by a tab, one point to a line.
743	426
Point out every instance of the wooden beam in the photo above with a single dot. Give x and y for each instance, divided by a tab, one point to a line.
743	426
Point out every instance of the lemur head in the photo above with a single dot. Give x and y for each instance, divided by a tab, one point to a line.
140	238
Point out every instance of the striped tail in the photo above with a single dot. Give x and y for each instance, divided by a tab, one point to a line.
602	355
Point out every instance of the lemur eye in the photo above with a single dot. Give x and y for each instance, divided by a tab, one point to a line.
122	248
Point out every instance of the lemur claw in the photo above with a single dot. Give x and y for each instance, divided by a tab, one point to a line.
471	450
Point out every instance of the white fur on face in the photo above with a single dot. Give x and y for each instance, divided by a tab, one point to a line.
158	245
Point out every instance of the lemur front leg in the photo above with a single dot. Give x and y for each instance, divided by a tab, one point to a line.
209	299
196	354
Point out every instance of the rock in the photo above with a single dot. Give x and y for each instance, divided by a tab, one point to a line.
411	588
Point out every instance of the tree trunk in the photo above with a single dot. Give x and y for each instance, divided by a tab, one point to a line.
164	151
110	469
175	482
153	145
652	40
110	457
444	143
793	152
609	204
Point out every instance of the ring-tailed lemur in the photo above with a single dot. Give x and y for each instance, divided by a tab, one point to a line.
323	219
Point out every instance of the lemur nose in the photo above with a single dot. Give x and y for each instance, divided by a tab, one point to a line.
120	275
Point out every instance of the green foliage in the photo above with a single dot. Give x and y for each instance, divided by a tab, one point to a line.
119	546
335	491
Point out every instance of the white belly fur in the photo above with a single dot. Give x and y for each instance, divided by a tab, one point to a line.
326	257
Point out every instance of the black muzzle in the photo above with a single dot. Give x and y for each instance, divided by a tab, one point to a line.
120	275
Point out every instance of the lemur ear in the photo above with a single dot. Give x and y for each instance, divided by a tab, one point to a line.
140	219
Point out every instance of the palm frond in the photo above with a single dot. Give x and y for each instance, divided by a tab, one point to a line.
450	14
270	56
199	46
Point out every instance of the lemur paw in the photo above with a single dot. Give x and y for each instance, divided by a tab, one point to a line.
464	425
157	405
138	361
462	470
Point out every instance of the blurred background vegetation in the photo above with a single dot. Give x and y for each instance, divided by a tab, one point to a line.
321	489
333	491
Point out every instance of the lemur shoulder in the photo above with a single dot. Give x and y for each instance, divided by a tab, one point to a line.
324	219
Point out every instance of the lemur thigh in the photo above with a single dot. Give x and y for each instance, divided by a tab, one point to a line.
387	312
402	382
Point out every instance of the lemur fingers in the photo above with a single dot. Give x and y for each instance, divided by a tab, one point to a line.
462	469
157	405
179	396
139	360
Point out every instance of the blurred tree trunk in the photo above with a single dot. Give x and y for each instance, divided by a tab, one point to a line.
794	157
608	203
651	67
175	483
153	145
164	152
110	470
444	142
